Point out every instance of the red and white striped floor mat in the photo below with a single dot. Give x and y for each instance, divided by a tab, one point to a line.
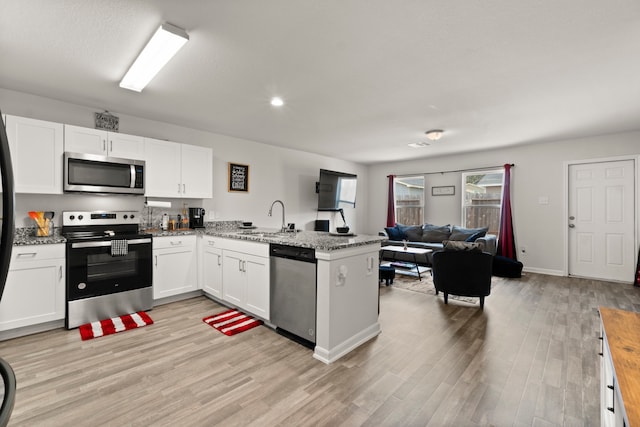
113	325
232	322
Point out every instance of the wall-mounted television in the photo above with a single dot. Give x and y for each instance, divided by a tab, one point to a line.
336	190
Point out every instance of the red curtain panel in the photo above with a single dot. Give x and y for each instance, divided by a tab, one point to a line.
506	241
391	210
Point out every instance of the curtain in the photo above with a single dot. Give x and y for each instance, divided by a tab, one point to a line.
637	282
391	210
506	241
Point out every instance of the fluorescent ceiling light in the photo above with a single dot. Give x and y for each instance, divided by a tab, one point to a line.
420	144
276	101
165	43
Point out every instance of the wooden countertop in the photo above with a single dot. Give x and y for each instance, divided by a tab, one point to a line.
622	330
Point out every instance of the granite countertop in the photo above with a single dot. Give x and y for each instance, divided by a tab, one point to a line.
179	232
27	236
319	240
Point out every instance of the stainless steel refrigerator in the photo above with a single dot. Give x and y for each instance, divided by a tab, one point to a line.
6	244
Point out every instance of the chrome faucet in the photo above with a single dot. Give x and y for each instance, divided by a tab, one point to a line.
284	227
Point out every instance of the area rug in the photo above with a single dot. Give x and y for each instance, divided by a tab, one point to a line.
114	325
232	322
425	286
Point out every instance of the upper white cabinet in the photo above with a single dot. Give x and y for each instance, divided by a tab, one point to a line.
178	170
95	141
36	152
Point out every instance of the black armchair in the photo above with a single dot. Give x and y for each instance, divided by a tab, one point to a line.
464	273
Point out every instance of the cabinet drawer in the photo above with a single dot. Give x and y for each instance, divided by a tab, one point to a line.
21	254
245	247
174	241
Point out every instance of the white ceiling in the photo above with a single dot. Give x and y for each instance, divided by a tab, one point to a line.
361	78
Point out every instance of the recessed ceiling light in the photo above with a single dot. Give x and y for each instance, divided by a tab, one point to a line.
276	101
418	144
434	134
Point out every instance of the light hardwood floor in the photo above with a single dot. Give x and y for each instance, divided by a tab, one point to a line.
529	359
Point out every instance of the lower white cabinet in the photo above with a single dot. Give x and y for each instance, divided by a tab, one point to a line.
211	267
174	265
245	276
34	292
611	406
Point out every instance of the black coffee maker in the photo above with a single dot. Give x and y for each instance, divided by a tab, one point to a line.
196	218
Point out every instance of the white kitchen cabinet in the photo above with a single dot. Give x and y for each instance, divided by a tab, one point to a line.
211	267
36	148
34	292
174	265
178	170
612	409
197	171
96	141
245	276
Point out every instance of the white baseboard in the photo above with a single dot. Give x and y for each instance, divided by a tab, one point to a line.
543	271
331	355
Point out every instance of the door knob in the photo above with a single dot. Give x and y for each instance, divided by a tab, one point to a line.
572	225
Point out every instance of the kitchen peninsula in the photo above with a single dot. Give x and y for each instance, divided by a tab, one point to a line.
226	263
347	283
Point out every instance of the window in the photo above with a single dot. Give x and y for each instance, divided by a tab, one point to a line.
482	199
409	199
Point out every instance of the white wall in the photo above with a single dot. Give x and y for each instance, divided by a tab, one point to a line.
275	173
538	172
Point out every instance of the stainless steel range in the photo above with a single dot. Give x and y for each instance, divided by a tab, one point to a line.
109	266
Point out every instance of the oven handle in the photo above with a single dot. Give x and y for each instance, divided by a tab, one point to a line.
102	243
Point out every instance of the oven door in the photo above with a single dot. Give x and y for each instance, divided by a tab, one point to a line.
105	267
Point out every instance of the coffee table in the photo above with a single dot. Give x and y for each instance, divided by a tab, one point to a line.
408	250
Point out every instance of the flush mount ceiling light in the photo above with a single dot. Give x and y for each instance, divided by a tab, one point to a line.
434	134
276	101
418	144
164	44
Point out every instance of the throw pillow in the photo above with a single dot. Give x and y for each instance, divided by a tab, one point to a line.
456	245
462	234
394	233
435	233
414	234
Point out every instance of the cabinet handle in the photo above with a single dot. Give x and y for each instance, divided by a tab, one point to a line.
212	242
239	265
613	399
184	188
111	146
219	263
156	257
27	255
104	145
178	243
178	188
59	272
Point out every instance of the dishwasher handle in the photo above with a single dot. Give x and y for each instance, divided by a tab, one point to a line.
292	252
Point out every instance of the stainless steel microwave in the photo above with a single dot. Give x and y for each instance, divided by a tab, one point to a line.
90	173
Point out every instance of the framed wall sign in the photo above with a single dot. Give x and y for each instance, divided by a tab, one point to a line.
447	190
238	177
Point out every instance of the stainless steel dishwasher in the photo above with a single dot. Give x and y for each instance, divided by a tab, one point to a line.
293	292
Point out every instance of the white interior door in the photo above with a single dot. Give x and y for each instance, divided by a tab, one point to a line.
601	220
